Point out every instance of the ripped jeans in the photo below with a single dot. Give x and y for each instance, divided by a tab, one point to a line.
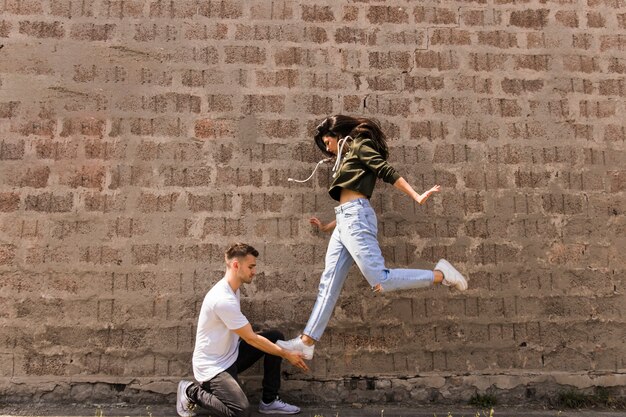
354	240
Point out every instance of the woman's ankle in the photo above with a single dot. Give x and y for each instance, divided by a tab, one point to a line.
307	340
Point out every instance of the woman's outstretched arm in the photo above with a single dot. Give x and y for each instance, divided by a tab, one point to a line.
323	227
406	188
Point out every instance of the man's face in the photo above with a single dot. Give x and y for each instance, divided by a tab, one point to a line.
246	268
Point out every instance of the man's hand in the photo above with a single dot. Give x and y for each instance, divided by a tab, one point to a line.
295	358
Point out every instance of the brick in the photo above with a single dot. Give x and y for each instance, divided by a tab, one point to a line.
101	255
84	127
621	20
201	78
42	29
355	35
597	109
350	13
442	61
70	9
23	7
533	62
7	254
210	203
530	19
562	204
9	109
245	55
277	10
240	177
452	106
12	151
186	177
595	20
387	14
617	65
86	177
532	179
617	181
435	15
204	32
430	130
280	128
615	133
157	126
5	28
500	107
567	18
498	39
286	78
450	36
263	104
46	149
317	13
519	86
155	32
315	104
582	41
300	56
478	131
411	38
31	176
120	9
214	128
49	202
580	63
9	202
613	43
558	109
385	60
92	32
487	62
160	203
104	203
470	17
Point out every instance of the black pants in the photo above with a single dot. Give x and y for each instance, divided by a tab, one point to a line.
222	395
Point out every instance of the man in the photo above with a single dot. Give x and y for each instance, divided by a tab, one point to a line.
219	355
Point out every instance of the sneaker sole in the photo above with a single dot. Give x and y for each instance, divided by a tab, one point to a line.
182	413
279	412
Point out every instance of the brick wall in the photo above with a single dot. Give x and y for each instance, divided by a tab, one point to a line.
139	137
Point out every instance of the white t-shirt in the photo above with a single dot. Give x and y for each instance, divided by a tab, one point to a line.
217	345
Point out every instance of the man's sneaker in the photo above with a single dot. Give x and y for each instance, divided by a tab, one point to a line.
297	345
278	406
451	277
184	406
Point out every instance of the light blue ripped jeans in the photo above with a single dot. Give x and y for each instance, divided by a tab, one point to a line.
354	240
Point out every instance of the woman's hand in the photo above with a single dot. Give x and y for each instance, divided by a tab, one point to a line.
323	227
422	198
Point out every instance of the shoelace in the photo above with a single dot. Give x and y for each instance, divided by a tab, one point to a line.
336	167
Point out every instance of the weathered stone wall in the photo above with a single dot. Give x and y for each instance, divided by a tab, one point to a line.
139	137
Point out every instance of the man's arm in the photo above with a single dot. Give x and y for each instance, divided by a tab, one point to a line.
261	343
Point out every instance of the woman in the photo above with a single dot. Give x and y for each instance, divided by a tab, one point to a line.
361	157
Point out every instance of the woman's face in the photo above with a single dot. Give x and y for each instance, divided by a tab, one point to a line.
331	144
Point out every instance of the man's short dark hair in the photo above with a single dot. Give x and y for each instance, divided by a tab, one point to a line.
240	250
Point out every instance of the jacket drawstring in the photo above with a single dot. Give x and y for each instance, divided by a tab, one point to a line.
337	165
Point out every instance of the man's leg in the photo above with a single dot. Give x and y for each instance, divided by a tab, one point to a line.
248	355
222	396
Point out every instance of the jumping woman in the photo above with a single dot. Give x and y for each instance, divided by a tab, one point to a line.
361	152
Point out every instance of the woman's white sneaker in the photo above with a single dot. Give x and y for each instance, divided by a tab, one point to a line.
297	345
451	277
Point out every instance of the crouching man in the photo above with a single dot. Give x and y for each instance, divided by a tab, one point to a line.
219	354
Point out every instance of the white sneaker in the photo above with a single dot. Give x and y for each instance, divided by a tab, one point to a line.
297	345
184	406
278	406
451	277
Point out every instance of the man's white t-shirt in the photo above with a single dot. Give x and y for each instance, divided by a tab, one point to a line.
217	345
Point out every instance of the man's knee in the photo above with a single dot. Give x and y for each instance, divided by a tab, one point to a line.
273	335
244	409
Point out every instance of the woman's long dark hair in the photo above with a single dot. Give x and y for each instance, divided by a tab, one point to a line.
340	126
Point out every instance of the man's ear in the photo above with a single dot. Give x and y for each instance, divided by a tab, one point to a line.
234	263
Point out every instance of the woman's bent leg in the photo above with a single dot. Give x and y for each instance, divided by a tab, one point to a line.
360	239
338	263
